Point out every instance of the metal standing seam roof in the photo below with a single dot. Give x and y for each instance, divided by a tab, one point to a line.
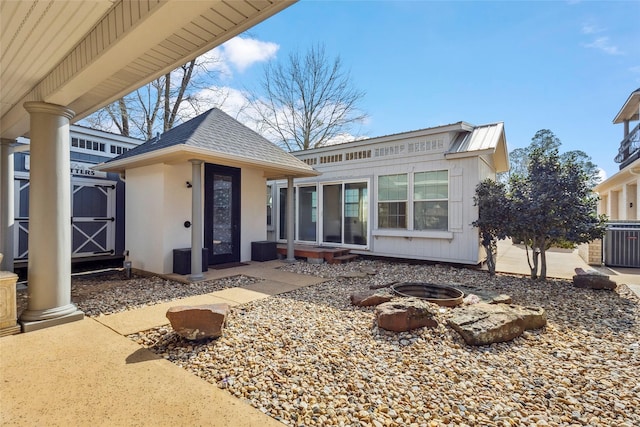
219	133
485	137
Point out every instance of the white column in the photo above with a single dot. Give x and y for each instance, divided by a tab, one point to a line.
623	204
291	255
196	221
7	213
49	265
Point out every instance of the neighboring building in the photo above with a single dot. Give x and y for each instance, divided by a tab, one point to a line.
164	177
620	194
408	195
97	198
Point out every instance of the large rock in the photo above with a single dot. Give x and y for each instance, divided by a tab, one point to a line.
592	280
404	315
482	323
199	321
475	294
365	299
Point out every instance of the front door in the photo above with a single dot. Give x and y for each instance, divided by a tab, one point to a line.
222	213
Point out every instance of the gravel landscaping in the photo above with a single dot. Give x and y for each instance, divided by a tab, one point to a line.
309	357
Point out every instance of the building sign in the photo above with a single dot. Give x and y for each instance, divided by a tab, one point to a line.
77	168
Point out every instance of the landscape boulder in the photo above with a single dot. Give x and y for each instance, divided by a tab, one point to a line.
365	299
483	323
475	294
406	314
198	322
592	280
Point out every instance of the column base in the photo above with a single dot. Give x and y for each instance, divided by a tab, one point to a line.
29	326
195	277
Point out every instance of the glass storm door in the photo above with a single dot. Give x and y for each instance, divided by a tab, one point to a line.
222	214
356	212
307	213
332	213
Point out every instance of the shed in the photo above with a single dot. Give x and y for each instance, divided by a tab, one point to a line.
173	202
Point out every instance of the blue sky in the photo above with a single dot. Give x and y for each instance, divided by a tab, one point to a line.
567	66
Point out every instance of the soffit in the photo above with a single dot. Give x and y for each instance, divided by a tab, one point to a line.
183	154
630	110
85	55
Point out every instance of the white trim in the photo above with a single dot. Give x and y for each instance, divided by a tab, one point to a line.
396	232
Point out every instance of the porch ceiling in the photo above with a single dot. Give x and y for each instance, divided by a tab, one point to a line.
85	55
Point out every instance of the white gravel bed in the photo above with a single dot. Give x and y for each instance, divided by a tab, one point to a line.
308	357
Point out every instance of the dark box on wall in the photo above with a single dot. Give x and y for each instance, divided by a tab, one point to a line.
264	250
182	260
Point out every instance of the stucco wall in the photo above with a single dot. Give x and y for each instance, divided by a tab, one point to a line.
145	216
158	202
176	210
253	205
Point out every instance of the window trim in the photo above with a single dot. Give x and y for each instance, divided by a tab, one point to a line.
414	200
405	201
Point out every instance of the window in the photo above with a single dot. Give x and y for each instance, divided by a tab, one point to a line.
392	201
269	206
431	200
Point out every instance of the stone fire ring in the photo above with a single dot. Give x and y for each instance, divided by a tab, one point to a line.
445	296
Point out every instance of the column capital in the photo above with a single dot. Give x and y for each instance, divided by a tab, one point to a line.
196	161
47	108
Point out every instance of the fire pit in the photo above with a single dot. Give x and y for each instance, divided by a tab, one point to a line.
445	296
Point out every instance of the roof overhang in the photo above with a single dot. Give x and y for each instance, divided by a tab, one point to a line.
85	55
182	154
621	177
497	151
630	111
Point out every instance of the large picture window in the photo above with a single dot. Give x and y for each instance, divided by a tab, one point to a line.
392	201
431	201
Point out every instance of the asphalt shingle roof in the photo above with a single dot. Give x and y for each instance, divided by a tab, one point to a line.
218	132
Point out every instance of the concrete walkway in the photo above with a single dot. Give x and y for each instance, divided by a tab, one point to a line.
561	264
89	373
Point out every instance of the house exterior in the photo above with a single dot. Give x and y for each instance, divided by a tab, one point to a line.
620	193
199	185
408	195
97	198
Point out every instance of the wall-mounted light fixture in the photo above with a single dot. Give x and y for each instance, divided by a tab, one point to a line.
189	184
630	204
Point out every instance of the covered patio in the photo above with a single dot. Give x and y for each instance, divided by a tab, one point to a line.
62	61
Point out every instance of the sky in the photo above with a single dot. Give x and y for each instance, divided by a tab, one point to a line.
567	66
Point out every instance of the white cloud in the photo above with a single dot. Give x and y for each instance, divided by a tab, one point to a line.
244	52
590	28
602	175
603	44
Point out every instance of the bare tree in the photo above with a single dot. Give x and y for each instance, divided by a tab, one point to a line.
163	103
306	101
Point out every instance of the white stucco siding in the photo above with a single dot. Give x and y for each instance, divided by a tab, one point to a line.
176	210
144	208
253	207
